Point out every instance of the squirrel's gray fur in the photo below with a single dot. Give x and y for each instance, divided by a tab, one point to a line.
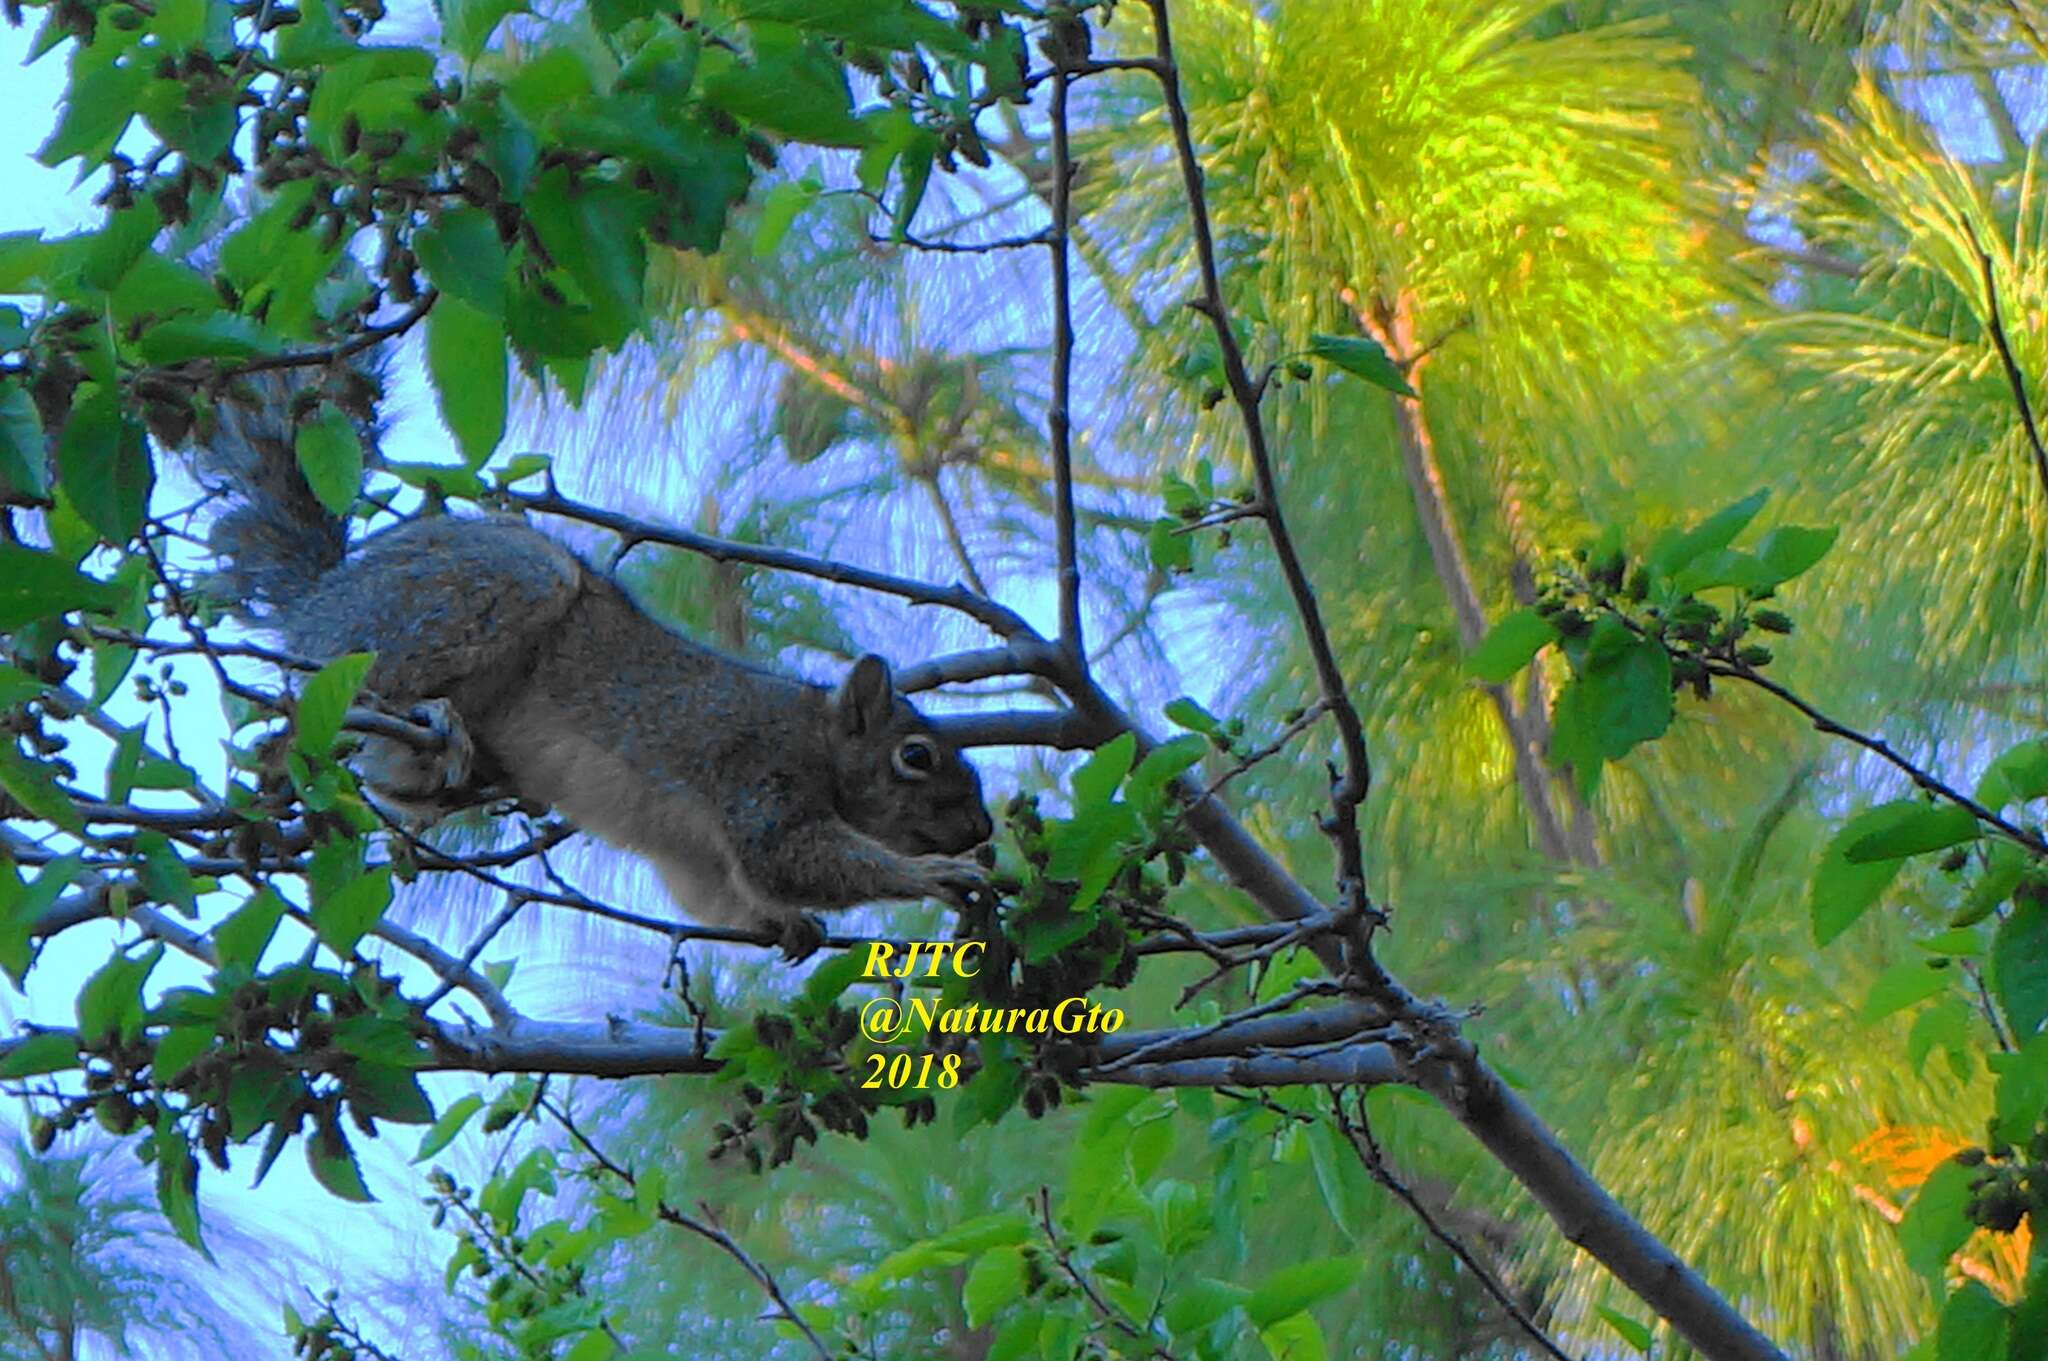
756	796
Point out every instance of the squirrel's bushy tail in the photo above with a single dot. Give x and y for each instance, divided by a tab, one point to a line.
275	540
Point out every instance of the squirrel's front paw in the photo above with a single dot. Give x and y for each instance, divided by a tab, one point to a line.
802	934
953	879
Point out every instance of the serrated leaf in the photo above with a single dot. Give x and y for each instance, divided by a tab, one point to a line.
103	466
35	584
1509	646
1842	891
1900	986
111	1000
1200	1303
1677	551
324	702
996	1280
467	25
333	1164
448	1126
1095	781
175	1052
465	260
1937	1222
1363	357
343	916
1292	1289
330	454
1973	1326
2019	967
467	361
245	934
1926	828
50	1052
1790	550
24	469
2022	1090
177	1183
2005	865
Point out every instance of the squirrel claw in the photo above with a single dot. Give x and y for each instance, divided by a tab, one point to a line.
802	935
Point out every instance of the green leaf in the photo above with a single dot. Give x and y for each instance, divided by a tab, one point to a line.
893	24
223	335
26	261
2019	967
334	1165
176	1051
2018	774
330	454
465	260
1341	1180
341	919
1364	357
377	1091
2022	1090
1509	646
833	977
111	1000
1631	1331
1937	1222
35	584
1900	986
1675	552
163	876
24	466
799	92
1193	717
1619	698
595	1345
177	1182
448	1126
1292	1289
1973	1327
997	1279
1843	890
1926	828
33	785
1723	567
1200	1303
1147	790
467	25
2005	865
467	361
1790	550
97	108
50	1052
779	211
324	702
103	464
1096	780
243	937
1297	1337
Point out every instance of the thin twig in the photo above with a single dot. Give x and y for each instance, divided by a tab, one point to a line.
1060	417
705	1228
2013	376
1359	1131
1349	787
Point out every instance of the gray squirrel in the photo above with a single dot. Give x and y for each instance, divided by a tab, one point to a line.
758	797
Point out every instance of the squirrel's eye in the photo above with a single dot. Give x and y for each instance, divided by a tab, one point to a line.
916	758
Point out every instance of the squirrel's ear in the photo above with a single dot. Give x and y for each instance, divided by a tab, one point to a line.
866	697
